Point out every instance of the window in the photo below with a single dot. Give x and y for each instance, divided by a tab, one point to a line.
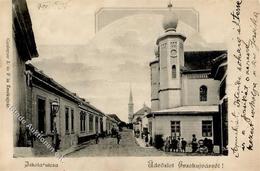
41	115
175	128
96	124
51	118
82	121
90	123
101	125
203	93
207	128
67	119
72	120
173	71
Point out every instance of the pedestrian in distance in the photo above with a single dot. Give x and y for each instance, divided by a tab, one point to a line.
179	144
183	145
146	140
208	143
170	143
118	137
166	144
113	132
194	144
96	137
174	144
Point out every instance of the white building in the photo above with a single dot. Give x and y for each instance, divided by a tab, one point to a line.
184	100
139	118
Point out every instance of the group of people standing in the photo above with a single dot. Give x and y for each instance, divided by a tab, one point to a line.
202	146
175	144
114	133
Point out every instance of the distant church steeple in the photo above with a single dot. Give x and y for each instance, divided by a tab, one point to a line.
131	97
130	107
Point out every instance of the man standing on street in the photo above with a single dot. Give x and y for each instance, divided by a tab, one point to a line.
183	145
118	136
97	136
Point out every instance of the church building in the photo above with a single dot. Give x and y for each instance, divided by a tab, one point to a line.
184	99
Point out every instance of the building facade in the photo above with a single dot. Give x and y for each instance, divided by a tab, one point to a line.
139	117
76	120
24	49
109	123
219	72
49	110
184	99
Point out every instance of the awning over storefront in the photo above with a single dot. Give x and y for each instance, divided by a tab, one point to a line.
187	110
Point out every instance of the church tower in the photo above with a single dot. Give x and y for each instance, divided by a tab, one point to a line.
155	84
130	107
171	60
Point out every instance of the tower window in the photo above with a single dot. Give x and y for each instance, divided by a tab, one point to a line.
203	93
173	71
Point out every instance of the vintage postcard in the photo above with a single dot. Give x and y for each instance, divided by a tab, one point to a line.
130	85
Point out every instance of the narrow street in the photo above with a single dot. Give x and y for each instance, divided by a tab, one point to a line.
127	147
109	147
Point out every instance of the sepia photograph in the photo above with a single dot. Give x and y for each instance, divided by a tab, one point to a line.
59	88
124	79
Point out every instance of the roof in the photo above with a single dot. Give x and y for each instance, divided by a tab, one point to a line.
199	60
154	62
187	110
190	71
219	67
23	33
114	116
143	110
195	60
112	119
42	80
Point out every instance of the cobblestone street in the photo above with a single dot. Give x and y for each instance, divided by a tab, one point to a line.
127	147
109	147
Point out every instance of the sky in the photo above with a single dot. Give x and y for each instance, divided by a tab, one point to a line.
102	66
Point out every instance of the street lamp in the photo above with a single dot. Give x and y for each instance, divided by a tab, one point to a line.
55	106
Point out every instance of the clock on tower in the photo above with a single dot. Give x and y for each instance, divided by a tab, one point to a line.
173	53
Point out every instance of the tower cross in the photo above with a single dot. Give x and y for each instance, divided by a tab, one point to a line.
170	5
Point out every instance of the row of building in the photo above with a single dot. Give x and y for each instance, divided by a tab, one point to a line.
188	91
63	118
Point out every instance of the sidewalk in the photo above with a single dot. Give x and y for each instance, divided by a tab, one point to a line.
30	152
75	148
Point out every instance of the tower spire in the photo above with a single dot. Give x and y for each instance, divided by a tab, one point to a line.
130	106
131	96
